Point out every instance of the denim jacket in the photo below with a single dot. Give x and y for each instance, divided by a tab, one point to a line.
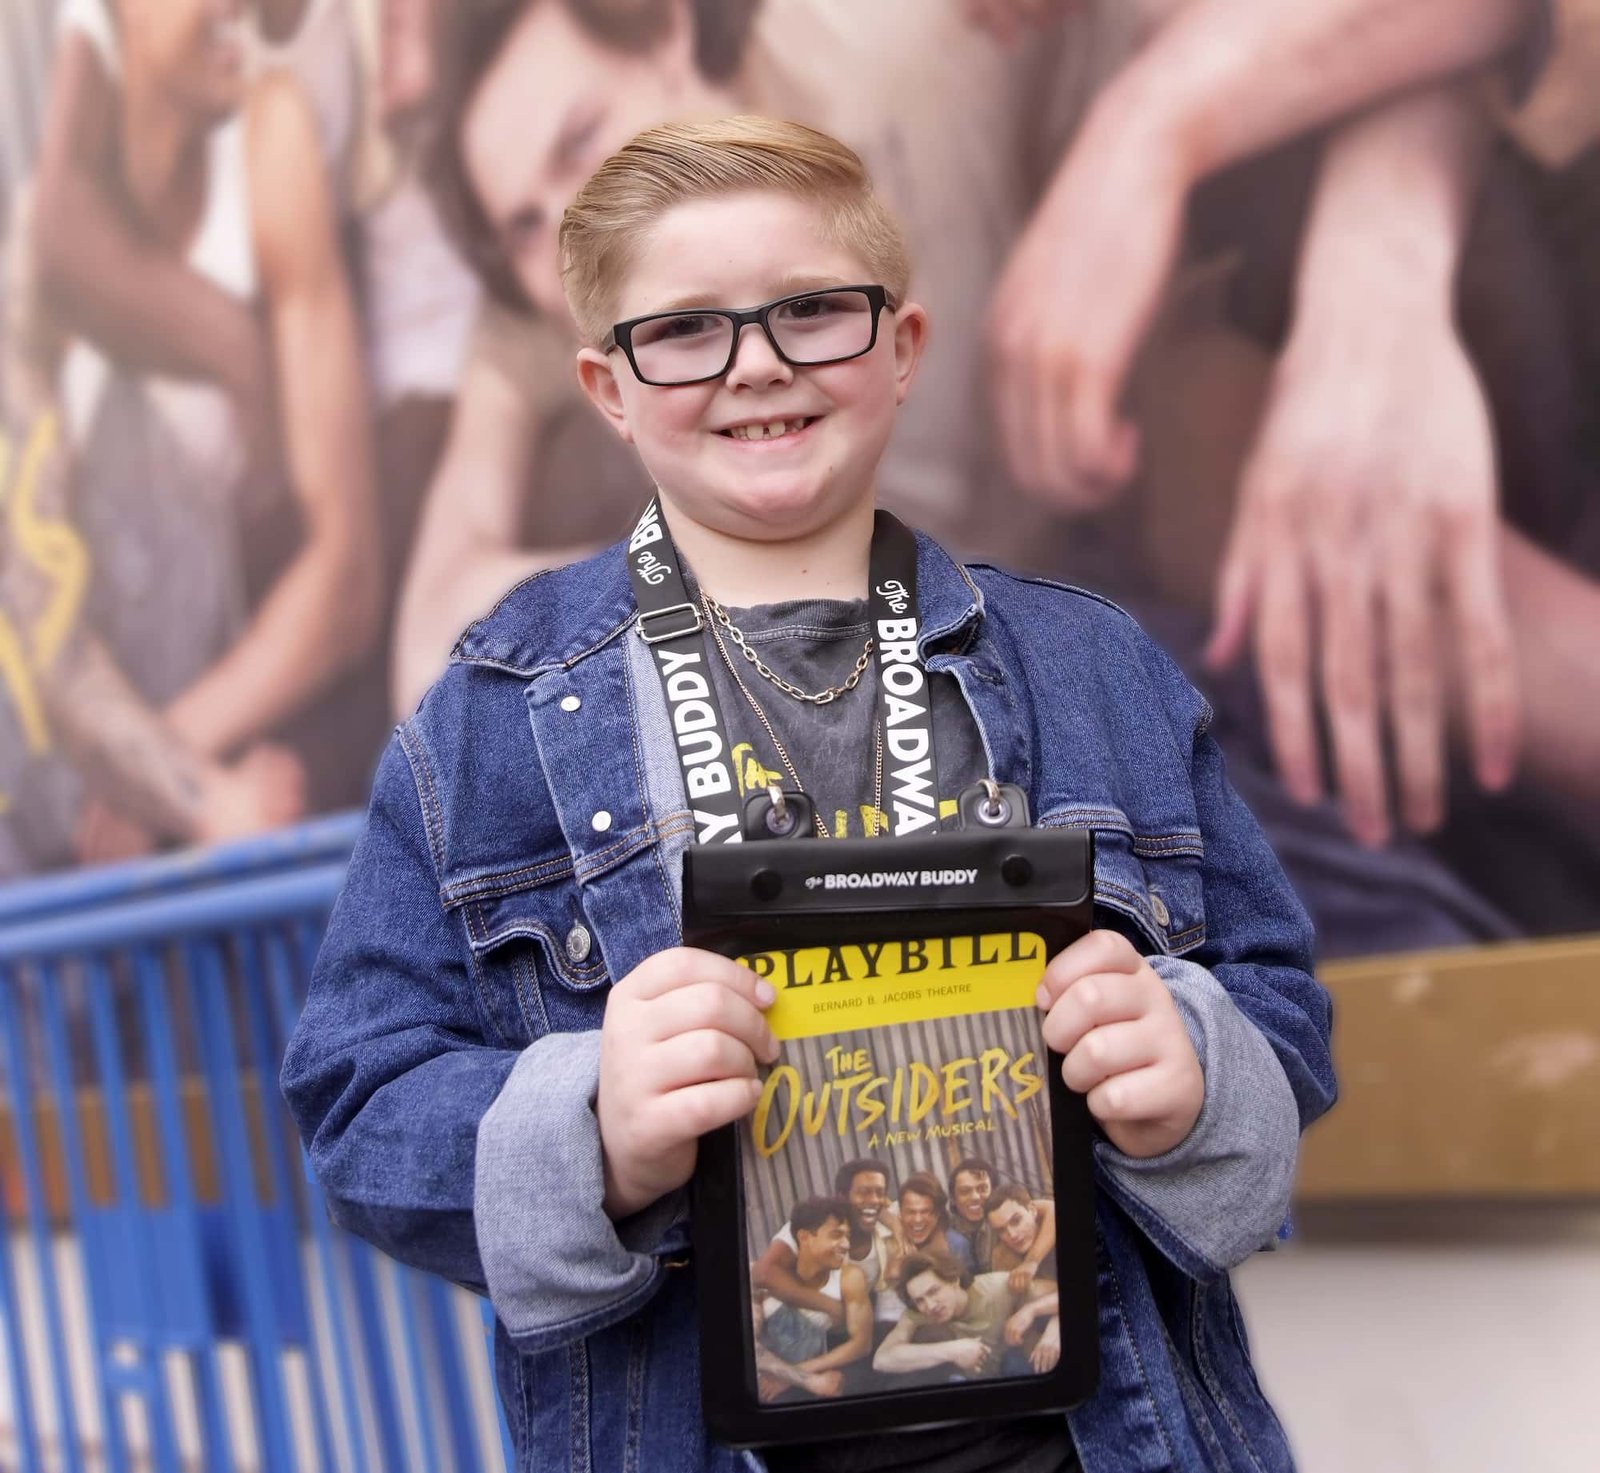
523	848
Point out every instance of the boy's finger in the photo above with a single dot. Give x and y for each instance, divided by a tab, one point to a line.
683	966
690	1112
1094	1002
1112	1049
712	1006
1144	1095
1098	952
700	1057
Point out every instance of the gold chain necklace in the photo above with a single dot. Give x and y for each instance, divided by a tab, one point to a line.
822	697
783	752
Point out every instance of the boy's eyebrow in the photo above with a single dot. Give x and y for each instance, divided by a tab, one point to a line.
787	285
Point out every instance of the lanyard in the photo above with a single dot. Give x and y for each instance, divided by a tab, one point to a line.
674	629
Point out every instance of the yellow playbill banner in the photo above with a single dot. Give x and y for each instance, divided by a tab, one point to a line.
870	984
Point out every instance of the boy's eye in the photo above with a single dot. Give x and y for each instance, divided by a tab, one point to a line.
682	327
812	309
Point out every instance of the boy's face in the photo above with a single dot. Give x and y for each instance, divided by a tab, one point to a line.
737	252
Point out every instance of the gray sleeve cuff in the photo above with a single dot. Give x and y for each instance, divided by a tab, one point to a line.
557	1267
1223	1191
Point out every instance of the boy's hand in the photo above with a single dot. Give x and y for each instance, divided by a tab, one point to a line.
679	1048
1126	1047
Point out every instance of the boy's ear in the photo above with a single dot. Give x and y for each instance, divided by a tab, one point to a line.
599	383
910	338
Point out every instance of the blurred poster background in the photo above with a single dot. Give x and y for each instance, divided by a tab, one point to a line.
1277	323
1301	371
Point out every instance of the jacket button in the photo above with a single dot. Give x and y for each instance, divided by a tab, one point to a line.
1158	908
600	822
571	703
578	943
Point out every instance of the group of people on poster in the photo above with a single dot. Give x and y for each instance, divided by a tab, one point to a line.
1271	322
879	1287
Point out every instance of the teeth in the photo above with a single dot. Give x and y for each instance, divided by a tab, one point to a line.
768	431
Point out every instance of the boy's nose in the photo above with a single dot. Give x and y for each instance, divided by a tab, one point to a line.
755	362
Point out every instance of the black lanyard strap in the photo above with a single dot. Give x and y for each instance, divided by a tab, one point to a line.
672	625
905	709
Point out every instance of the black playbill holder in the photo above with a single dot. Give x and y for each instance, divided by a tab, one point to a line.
906	975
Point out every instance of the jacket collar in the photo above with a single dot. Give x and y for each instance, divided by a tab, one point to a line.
554	619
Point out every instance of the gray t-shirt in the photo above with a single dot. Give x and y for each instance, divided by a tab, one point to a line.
814	643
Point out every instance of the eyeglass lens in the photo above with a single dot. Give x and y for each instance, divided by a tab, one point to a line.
820	328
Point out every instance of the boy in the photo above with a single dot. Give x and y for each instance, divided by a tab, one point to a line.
475	1097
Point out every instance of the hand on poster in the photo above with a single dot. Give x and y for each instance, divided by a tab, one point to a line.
1021	1277
1075	301
1363	561
104	836
265	789
683	1034
971	1355
1126	1048
1047	1353
1021	1322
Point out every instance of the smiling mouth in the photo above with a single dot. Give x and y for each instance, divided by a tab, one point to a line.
776	430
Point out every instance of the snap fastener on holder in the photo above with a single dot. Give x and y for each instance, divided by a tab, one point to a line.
600	822
994	809
571	703
780	818
579	943
1158	908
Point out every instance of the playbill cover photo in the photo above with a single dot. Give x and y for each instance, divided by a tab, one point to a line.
897	1170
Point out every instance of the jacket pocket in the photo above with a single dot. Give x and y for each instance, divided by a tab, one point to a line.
1150	883
536	944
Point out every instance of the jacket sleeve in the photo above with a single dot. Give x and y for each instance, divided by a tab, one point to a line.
430	1134
1260	1025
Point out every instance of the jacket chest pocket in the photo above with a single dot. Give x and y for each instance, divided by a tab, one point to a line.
537	947
1147	886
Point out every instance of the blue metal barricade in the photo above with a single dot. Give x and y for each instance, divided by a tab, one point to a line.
172	1294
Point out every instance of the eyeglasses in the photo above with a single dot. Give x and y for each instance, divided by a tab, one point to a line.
692	346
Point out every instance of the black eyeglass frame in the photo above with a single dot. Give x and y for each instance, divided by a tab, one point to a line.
621	336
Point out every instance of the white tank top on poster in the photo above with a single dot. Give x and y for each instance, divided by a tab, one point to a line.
830	1290
198	414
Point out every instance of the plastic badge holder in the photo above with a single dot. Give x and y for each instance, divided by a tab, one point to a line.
906	975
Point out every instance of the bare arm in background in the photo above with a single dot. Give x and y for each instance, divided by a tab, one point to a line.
467	553
128	294
321	616
1221	80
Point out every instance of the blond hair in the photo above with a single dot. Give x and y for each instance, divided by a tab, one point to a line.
670	165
